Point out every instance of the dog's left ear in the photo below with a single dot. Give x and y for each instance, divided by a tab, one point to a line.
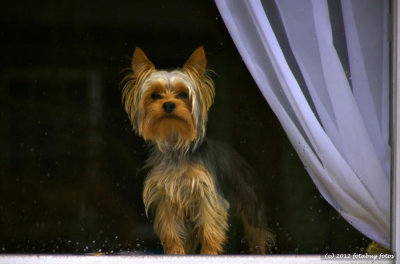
197	61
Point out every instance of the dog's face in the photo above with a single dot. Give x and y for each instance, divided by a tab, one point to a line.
169	108
166	109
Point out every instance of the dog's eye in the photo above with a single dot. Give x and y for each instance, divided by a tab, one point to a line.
155	96
182	95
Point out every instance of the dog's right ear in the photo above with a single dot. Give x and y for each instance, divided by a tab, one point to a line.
140	63
141	69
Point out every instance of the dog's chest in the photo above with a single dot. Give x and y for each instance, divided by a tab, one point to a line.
187	185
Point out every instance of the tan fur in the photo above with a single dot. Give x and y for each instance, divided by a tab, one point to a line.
195	67
173	130
180	190
141	69
260	239
187	192
135	97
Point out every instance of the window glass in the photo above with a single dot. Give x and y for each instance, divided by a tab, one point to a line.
70	164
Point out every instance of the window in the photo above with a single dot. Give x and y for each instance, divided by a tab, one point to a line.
70	165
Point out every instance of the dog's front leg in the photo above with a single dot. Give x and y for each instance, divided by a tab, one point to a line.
168	226
213	226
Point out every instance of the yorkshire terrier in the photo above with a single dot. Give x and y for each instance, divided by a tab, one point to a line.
193	183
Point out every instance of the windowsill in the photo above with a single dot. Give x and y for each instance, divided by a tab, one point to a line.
223	259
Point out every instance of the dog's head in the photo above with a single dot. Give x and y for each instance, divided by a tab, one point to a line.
169	108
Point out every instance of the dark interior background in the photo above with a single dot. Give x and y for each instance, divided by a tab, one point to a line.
69	161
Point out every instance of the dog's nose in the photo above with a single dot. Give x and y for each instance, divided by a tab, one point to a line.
168	107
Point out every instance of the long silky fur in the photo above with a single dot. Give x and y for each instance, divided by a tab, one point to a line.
189	191
201	92
193	187
206	94
223	178
131	94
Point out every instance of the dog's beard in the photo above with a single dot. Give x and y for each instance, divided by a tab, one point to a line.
170	129
171	132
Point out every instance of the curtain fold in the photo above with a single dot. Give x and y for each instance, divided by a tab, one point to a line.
331	96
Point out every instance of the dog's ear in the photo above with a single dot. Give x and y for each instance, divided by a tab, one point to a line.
140	62
141	68
195	68
197	61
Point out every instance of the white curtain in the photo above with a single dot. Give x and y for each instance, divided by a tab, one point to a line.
331	98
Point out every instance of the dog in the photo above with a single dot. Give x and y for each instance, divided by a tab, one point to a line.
194	184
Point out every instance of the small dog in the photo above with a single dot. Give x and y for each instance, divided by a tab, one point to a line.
193	183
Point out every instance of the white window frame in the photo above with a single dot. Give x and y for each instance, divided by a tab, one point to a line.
396	131
223	259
